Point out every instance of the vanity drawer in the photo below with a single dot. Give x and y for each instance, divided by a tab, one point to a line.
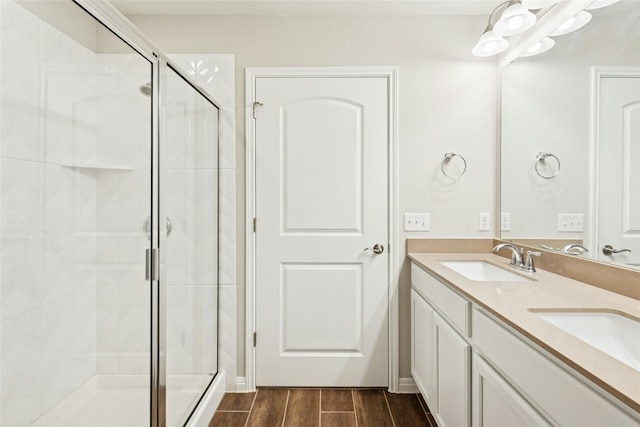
555	391
452	306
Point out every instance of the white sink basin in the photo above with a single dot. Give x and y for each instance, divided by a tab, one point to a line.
616	335
482	271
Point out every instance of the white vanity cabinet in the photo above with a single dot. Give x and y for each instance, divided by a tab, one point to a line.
440	356
556	392
495	403
474	370
422	346
452	376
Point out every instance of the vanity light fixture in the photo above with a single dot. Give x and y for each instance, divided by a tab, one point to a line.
572	24
540	47
490	43
514	19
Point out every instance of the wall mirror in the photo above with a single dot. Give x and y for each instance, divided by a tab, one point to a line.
570	141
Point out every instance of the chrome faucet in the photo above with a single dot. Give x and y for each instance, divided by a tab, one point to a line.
517	255
567	249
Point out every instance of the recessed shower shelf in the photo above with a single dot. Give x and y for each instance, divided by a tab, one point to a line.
96	167
108	233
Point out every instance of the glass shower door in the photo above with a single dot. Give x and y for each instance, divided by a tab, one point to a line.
75	177
191	153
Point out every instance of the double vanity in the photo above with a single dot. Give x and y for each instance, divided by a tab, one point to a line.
492	345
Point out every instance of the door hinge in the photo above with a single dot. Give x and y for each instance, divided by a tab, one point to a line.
255	224
255	338
256	104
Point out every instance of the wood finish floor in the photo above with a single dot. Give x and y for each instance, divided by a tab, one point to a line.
322	408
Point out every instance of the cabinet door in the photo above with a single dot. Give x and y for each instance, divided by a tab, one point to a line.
555	391
422	346
495	403
453	376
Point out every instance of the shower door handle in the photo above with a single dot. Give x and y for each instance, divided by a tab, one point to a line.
152	265
146	227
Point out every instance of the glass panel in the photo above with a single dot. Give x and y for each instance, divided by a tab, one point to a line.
75	192
191	146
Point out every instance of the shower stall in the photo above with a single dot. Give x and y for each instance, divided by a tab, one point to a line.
109	224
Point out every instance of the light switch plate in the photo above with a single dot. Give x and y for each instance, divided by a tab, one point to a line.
416	222
571	222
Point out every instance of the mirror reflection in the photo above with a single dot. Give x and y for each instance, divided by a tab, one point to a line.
570	142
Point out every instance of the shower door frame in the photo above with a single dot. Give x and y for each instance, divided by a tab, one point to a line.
118	24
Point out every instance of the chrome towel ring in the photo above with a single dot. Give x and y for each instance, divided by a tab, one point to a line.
540	159
447	159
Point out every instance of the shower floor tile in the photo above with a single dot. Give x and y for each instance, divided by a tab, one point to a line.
123	401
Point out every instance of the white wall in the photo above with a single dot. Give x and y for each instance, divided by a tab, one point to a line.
446	103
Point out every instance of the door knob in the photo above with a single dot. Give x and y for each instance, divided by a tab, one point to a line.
377	249
608	250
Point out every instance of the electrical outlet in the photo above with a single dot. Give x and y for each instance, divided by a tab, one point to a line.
416	222
505	221
570	222
484	221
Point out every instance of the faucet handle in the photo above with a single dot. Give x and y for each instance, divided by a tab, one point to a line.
529	265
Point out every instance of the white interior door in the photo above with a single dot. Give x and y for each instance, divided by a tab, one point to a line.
321	198
619	170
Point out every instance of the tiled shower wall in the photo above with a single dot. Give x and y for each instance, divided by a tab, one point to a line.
122	205
48	279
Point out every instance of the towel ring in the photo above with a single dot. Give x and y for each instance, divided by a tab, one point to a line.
540	158
447	158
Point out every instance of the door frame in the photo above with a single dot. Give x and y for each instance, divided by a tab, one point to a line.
251	75
598	73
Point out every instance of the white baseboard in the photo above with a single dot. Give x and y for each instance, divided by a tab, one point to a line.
207	408
407	385
241	385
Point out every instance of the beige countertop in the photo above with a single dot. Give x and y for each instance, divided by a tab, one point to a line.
512	301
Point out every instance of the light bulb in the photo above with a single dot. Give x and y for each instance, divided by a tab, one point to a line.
489	44
567	24
540	47
600	4
490	47
572	24
514	20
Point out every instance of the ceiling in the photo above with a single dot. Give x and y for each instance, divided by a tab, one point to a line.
306	7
